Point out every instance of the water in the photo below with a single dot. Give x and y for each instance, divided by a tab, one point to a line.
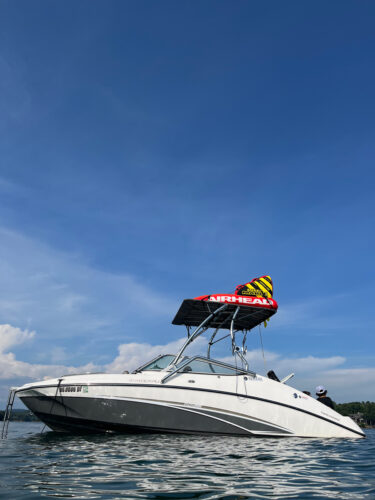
50	465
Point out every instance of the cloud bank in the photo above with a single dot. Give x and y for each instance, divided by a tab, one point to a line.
12	368
344	384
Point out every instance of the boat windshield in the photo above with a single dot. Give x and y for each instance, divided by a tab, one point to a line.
158	364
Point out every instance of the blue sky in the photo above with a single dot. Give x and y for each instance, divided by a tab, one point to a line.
154	151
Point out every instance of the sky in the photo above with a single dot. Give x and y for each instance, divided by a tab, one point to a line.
157	151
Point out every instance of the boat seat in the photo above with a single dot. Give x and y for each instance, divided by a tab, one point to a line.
272	375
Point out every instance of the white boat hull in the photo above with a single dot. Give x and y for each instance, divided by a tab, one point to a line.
186	403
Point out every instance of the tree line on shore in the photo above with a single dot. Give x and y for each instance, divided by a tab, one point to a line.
365	411
20	416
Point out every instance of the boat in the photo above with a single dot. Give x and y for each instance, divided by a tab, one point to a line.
177	393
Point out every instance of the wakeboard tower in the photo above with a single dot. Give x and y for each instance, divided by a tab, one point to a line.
250	305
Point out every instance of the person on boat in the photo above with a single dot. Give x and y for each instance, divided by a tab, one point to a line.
321	392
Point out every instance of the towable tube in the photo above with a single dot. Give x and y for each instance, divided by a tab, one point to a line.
227	298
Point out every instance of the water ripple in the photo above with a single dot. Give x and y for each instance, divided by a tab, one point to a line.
34	465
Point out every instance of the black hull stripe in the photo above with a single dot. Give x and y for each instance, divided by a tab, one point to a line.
215	391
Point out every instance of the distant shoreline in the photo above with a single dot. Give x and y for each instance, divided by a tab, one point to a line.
20	416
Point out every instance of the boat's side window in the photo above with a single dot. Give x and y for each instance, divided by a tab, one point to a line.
202	366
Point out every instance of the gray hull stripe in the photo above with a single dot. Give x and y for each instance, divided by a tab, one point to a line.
238	421
224	417
214	412
118	414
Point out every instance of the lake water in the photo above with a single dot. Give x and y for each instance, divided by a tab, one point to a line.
35	465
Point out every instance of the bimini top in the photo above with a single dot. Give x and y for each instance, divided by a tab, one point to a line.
251	311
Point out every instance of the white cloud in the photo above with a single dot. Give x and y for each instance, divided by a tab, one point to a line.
135	354
306	364
132	355
283	366
11	368
10	336
58	355
343	384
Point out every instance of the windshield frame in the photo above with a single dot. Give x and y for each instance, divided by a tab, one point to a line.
177	368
